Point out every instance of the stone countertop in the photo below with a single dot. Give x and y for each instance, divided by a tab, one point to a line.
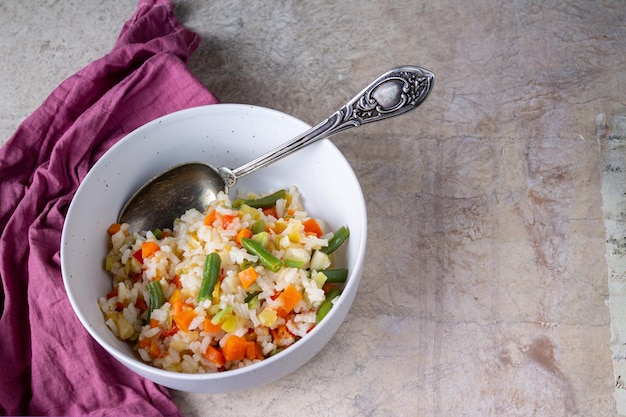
489	287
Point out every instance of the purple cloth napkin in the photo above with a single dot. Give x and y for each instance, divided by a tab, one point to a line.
50	364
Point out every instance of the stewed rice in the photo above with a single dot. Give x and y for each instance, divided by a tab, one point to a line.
257	315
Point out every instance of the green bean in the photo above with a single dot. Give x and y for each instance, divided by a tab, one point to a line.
262	202
327	304
156	298
338	238
265	257
334	276
293	263
210	274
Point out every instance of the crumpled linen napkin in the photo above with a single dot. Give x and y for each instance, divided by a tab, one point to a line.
50	364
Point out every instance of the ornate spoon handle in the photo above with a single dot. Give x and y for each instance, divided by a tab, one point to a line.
395	92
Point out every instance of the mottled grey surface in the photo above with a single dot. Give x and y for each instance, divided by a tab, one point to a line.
485	288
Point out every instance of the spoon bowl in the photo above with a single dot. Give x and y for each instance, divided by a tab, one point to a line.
194	185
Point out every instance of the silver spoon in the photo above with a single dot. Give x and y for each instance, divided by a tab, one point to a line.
195	185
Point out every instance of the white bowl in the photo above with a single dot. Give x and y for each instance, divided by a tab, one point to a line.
221	135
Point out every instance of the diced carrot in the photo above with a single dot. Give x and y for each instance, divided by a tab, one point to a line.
228	219
155	350
282	336
210	218
176	296
270	211
215	355
251	350
182	313
243	233
113	292
145	343
284	333
176	281
183	318
328	287
171	331
209	327
176	307
290	297
234	348
148	249
259	351
154	323
176	302
247	277
312	227
141	305
280	226
281	312
114	228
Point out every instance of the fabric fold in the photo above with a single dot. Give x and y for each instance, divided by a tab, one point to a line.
52	366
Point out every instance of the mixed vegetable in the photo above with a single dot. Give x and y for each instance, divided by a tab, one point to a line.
224	288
